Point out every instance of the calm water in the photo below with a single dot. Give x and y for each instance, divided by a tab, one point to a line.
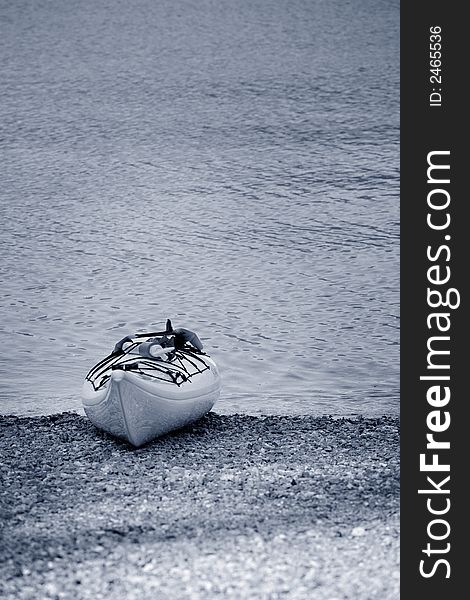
231	165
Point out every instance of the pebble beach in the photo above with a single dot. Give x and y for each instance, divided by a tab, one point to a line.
231	507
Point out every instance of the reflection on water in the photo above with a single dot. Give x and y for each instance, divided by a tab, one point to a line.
232	166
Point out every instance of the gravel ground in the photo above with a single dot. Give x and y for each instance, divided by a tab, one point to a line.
231	507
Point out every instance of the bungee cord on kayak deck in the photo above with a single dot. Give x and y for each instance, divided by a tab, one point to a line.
172	360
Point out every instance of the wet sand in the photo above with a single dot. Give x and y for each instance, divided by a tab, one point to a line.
231	507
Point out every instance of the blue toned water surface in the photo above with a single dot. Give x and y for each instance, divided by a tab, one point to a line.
231	165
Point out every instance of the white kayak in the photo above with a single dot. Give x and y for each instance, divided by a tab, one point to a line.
151	385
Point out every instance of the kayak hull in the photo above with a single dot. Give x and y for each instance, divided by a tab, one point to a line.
138	409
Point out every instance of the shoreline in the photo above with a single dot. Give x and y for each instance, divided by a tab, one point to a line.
231	506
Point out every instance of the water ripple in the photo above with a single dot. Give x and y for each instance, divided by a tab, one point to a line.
233	167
